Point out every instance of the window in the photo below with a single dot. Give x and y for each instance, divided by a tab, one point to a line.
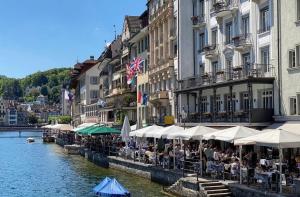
229	67
218	103
246	63
94	80
228	33
231	105
214	38
298	10
245	25
267	99
246	101
201	42
264	20
215	67
204	104
201	8
293	106
297	54
265	59
298	103
94	94
292	59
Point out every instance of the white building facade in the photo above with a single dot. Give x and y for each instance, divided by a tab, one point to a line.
289	67
227	62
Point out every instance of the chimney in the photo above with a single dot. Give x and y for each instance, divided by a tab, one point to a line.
92	57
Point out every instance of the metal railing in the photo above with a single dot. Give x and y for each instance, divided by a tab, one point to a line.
198	19
211	50
242	39
224	5
229	74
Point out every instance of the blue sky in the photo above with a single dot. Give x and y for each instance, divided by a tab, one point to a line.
36	35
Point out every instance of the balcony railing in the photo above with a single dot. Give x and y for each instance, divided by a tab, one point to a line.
242	41
198	21
264	29
223	7
226	75
159	95
211	51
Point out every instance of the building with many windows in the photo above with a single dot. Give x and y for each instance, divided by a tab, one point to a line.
227	61
289	62
139	44
162	59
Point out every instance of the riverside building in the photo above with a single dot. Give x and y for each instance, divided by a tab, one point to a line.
227	62
162	60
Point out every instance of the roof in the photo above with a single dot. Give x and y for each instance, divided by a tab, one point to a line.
134	23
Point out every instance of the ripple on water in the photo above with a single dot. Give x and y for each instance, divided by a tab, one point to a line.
37	169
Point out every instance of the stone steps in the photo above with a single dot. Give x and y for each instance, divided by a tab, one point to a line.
219	194
214	187
217	191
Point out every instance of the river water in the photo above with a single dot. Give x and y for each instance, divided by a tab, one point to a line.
38	169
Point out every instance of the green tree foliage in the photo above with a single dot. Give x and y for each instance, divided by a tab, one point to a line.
60	119
44	90
48	83
32	119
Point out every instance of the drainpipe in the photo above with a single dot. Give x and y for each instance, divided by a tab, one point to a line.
279	55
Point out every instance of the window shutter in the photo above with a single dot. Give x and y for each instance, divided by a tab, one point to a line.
298	10
290	59
292	106
225	102
298	55
298	104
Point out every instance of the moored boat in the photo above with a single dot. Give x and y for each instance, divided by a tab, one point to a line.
30	140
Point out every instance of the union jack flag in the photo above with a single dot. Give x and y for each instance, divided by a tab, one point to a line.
133	69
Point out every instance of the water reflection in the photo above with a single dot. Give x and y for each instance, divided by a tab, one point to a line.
44	170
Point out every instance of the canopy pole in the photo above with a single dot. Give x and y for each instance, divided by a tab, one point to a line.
174	153
241	158
140	144
280	170
155	151
201	160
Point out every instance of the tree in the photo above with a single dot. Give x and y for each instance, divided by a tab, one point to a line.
32	119
64	119
44	90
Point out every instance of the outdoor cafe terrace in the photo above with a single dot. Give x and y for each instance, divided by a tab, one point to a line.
267	160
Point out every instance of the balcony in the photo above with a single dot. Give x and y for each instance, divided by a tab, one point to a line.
258	72
162	65
223	8
211	51
242	42
159	97
198	21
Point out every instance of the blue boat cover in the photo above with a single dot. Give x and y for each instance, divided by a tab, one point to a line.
101	185
113	189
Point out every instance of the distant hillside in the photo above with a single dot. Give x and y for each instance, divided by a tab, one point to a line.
47	83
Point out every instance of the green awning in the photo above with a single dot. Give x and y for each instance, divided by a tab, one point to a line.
85	131
103	131
98	130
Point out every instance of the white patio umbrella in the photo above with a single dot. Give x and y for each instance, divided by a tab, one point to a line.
63	127
142	132
163	133
277	138
231	134
125	130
